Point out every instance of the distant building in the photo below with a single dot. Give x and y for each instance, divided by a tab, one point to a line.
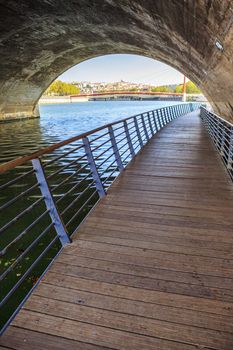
95	87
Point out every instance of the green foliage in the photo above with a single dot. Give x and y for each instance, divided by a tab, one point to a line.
179	88
163	88
191	88
60	88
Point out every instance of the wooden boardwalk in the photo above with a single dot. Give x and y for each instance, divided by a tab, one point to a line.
152	266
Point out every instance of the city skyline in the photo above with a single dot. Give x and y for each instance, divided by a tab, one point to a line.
118	67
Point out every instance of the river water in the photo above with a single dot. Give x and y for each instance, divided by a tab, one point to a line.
61	121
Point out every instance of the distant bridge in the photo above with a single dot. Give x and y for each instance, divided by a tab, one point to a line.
130	93
135	95
122	95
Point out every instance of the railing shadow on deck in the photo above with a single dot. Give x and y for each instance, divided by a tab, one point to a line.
46	195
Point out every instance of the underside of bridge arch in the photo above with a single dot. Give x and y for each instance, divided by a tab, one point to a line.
40	39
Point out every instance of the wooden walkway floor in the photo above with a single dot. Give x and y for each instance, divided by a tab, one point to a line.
152	266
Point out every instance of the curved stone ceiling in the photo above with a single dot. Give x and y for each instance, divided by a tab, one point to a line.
40	39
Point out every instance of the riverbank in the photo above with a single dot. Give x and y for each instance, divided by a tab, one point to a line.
46	100
16	118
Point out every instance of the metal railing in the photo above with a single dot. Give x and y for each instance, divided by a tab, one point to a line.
221	133
46	195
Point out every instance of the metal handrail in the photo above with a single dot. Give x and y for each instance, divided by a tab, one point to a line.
45	195
221	134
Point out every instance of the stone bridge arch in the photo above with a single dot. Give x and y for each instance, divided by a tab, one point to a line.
40	39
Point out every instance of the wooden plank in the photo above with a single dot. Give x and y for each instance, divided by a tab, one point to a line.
208	191
202	234
102	336
183	262
141	294
130	323
171	200
169	246
147	209
161	237
192	186
108	262
145	282
17	338
171	220
174	172
133	307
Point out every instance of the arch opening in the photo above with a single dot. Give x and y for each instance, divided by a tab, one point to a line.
178	33
116	75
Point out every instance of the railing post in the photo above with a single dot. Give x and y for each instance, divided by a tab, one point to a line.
178	110
155	123
181	107
172	110
219	134
169	114
174	114
49	202
144	127
151	129
158	119
165	115
138	132
222	141
129	139
215	134
91	162
163	118
115	149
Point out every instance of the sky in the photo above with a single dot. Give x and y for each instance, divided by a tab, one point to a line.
131	68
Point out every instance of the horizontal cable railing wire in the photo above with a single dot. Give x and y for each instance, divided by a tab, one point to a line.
45	196
221	133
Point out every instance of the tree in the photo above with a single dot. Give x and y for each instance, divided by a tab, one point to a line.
163	88
191	88
60	88
179	89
